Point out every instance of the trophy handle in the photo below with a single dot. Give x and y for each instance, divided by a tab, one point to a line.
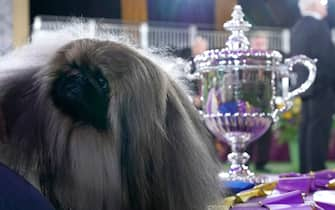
285	100
310	64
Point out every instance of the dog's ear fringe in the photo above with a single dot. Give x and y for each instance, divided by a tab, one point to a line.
181	152
195	144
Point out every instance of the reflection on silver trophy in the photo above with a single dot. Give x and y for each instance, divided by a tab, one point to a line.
243	90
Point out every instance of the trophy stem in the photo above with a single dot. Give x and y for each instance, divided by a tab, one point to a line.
238	166
238	159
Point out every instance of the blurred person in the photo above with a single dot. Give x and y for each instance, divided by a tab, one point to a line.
311	36
259	41
260	148
198	46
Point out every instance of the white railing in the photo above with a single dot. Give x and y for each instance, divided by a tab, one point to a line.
158	35
162	35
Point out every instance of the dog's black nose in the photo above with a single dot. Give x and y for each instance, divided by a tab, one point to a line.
83	94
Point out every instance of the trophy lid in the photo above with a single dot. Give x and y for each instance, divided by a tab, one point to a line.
237	52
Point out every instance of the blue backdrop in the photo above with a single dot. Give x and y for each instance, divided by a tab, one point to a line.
182	11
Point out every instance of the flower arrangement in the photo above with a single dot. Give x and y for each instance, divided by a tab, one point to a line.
287	131
288	124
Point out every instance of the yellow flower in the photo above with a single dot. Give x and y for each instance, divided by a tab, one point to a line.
296	105
289	121
287	115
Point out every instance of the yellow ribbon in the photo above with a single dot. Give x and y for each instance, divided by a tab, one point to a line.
244	196
331	184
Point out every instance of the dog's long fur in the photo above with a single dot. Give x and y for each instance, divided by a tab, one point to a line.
146	150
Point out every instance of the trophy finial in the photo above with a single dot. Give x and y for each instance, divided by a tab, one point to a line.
237	25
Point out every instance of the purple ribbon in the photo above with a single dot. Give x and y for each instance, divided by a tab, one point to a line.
293	197
286	201
290	174
318	184
289	207
288	184
255	206
324	174
291	186
306	183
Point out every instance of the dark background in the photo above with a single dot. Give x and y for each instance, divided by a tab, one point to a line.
277	13
81	8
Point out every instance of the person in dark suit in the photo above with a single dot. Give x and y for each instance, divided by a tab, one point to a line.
259	149
198	46
311	36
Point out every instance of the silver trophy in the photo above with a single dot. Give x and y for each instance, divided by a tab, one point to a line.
243	90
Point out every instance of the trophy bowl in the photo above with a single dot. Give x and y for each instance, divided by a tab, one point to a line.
242	92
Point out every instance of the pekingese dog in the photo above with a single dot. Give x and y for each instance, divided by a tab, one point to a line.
103	127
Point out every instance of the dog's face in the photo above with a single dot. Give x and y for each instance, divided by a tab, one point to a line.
108	130
90	78
81	91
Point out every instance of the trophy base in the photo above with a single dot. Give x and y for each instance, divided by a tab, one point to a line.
238	170
247	178
240	173
235	183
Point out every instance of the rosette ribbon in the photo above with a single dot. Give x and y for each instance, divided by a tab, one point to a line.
291	191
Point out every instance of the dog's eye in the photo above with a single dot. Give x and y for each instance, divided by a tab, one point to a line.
103	83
